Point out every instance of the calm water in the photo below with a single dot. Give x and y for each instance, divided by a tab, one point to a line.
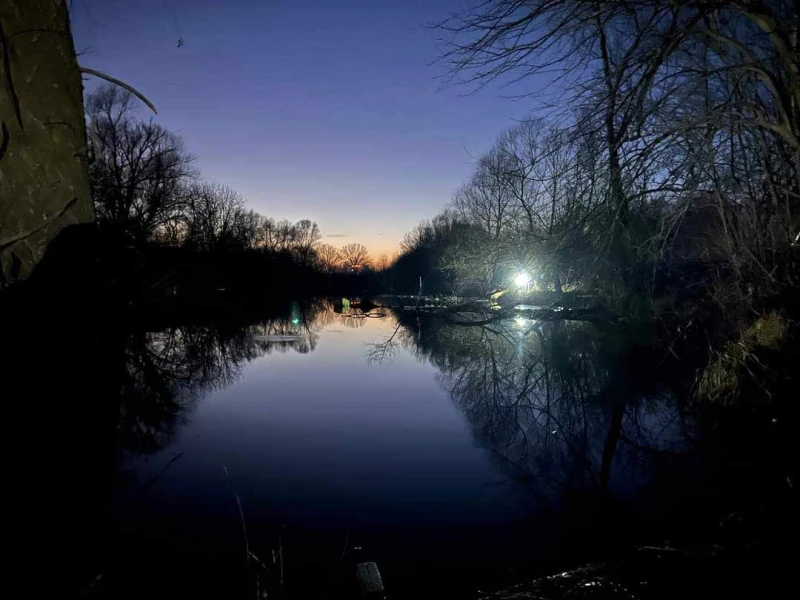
453	456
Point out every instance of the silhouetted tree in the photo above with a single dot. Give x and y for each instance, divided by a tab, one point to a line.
355	257
661	103
138	169
425	253
382	262
305	240
246	230
214	218
278	236
329	258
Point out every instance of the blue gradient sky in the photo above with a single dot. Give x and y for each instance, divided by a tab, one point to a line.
328	110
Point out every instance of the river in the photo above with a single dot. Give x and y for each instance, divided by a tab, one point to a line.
271	455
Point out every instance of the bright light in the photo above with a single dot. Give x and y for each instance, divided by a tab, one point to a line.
296	321
521	321
522	280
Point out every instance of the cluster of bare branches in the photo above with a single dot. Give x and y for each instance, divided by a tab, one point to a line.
349	258
143	184
544	399
530	206
138	168
664	111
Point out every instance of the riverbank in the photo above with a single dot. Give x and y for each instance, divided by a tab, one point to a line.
723	501
88	272
743	450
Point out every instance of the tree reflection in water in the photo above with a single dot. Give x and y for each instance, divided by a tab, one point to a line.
165	373
566	409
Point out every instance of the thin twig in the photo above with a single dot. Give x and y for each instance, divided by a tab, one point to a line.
156	477
247	552
244	528
280	553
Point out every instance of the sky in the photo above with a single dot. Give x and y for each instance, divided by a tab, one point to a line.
333	110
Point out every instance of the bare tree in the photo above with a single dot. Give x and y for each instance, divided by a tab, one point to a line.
306	239
246	229
213	211
474	258
613	62
355	257
383	262
329	257
138	167
268	234
487	200
555	208
665	86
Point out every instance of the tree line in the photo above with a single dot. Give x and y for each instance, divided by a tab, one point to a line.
145	188
670	149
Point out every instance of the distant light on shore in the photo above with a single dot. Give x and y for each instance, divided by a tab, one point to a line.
522	280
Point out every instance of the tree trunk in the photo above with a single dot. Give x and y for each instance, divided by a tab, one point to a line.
610	446
44	182
618	203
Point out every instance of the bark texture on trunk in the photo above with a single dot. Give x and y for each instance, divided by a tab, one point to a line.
44	183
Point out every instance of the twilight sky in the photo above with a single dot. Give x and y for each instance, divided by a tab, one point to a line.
321	109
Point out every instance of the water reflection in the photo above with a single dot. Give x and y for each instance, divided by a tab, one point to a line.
165	373
571	415
322	447
563	407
